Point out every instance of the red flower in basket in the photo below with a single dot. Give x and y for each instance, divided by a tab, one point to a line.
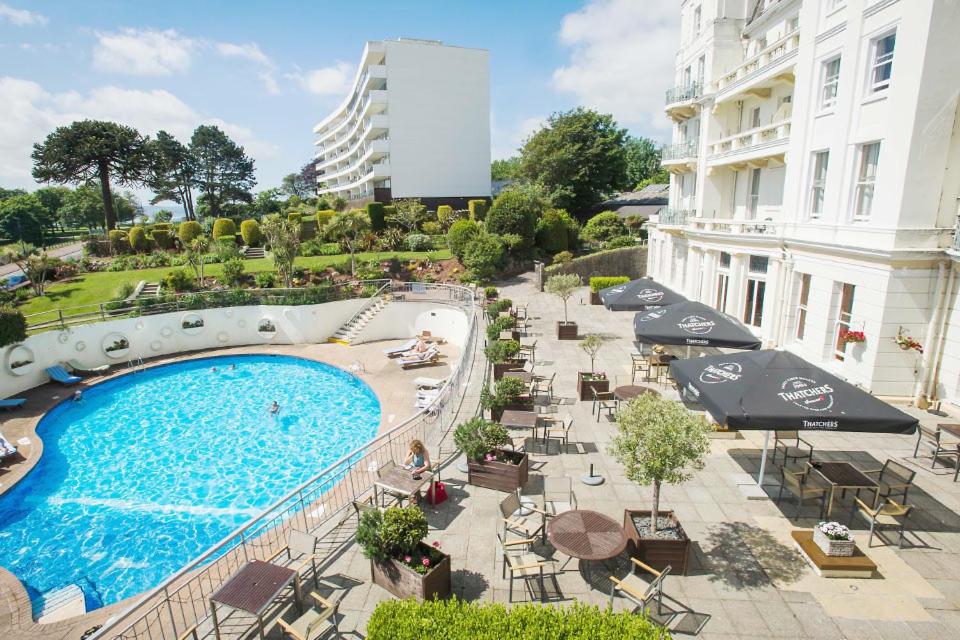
854	337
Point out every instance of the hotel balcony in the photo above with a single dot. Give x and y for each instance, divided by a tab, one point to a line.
670	217
760	147
680	158
760	73
682	101
726	226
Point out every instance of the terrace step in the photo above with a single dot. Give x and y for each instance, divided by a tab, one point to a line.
352	328
253	253
149	290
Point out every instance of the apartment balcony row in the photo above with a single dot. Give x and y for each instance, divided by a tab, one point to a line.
368	173
373	101
373	152
680	158
760	73
761	146
682	101
674	217
374	127
766	227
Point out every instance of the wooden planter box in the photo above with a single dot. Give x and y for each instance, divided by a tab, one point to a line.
500	476
567	330
595	298
655	552
404	582
724	434
496	414
499	368
585	388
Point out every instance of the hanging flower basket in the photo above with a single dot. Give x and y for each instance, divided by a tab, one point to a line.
834	539
907	342
852	337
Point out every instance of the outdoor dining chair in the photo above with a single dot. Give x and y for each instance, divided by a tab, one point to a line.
893	479
640	590
316	622
301	550
930	439
791	446
528	351
891	514
525	526
524	565
603	401
803	486
543	385
558	495
639	364
558	428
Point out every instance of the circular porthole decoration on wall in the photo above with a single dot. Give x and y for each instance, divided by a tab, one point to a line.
116	345
266	328
139	325
63	337
241	323
166	332
223	336
191	323
20	359
80	346
156	345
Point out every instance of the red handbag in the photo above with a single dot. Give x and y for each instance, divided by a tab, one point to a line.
437	493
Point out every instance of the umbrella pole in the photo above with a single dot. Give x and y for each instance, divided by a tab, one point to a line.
688	352
763	458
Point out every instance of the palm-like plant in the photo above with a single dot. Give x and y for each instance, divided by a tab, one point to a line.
348	227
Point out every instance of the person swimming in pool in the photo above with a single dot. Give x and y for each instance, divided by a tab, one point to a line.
77	395
274	408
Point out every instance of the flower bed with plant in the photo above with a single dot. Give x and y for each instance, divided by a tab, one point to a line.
834	539
478	438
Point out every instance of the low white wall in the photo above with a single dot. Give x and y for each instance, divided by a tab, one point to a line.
163	334
401	320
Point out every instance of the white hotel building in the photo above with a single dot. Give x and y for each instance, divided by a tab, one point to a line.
815	181
415	124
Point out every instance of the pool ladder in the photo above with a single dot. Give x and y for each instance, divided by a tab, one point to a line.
136	364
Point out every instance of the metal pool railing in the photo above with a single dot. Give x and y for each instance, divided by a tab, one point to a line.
182	600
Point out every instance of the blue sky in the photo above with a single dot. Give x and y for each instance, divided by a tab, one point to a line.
267	71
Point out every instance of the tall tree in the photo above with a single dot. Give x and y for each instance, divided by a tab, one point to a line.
283	238
93	149
294	184
643	160
21	219
504	169
348	226
172	172
224	172
579	157
83	207
308	173
52	199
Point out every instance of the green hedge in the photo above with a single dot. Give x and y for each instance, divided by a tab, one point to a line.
478	209
295	216
455	620
602	282
162	238
138	239
377	218
119	241
323	217
13	326
188	231
251	233
224	228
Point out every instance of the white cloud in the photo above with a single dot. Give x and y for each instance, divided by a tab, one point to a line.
21	17
251	51
28	113
622	59
143	52
326	81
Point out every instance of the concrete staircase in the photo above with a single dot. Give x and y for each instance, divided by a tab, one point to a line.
252	253
352	328
149	290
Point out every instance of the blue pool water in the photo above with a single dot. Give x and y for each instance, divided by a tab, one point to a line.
151	469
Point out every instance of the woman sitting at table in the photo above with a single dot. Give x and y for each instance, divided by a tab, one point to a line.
417	462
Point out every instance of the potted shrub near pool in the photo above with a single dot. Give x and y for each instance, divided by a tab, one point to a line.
508	393
657	441
563	287
400	561
489	464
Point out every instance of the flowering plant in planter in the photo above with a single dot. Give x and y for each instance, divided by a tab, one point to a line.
907	342
422	561
596	375
835	531
852	337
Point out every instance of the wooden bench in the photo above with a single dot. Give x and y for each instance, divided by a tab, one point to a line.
856	566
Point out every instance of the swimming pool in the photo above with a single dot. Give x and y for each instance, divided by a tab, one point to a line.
150	469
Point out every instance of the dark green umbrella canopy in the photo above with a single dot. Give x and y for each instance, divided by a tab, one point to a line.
638	294
773	390
693	324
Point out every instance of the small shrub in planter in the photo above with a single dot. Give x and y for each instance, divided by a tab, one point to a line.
505	323
490	293
507	392
13	326
488	463
494	308
563	286
501	350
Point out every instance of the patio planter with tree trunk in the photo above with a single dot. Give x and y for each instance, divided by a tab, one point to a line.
400	561
489	464
590	381
563	287
508	393
658	441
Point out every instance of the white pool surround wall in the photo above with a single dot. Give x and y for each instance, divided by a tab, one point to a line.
164	334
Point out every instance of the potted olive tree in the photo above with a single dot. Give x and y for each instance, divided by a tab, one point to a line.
658	441
488	463
400	561
508	393
593	380
563	287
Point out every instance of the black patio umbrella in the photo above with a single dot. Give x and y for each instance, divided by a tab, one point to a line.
638	294
773	390
692	324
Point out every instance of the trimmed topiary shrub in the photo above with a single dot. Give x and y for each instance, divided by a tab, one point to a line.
454	619
484	255
478	209
388	211
432	228
377	217
119	241
295	216
602	282
418	242
188	231
224	228
461	233
251	233
445	215
620	242
604	226
516	212
162	238
563	257
13	326
138	239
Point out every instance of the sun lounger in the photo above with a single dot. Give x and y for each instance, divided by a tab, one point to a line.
425	398
12	403
428	383
59	374
429	356
397	351
427	336
6	449
79	368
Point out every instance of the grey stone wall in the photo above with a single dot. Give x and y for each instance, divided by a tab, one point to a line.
630	262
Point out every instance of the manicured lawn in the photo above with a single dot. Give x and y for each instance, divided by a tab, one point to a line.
93	288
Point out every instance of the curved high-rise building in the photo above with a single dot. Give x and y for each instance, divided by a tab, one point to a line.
416	124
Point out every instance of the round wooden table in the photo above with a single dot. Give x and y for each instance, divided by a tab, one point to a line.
631	391
586	535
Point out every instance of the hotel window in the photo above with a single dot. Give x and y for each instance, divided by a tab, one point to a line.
866	180
881	66
831	79
723	282
833	5
753	197
802	304
818	182
697	16
701	69
755	118
844	317
686	77
756	286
